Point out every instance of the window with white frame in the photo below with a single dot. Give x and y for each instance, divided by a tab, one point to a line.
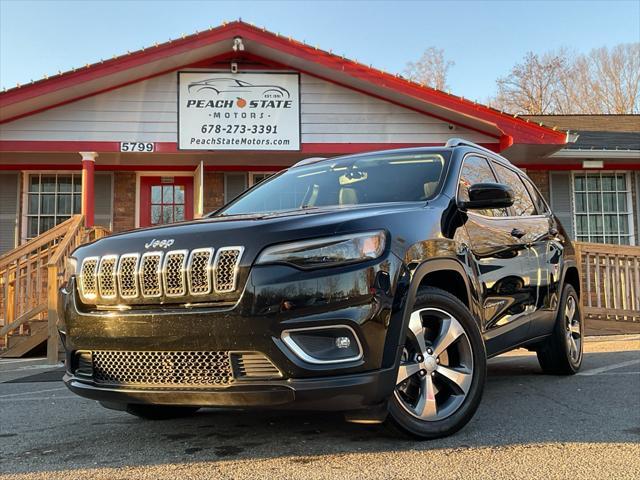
257	177
51	199
602	207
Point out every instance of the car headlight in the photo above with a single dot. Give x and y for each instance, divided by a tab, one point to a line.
328	251
70	266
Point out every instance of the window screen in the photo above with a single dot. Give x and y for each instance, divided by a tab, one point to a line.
602	206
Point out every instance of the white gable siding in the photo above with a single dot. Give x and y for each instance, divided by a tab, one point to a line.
147	112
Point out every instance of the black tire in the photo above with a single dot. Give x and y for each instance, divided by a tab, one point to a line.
400	419
556	355
159	412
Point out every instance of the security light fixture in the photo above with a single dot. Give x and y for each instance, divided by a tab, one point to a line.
238	46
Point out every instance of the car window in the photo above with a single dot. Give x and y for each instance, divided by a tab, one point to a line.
522	203
541	206
347	181
477	170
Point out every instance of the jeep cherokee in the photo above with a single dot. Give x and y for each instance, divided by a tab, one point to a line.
375	284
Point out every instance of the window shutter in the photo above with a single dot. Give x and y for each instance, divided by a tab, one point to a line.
8	211
561	204
103	193
234	185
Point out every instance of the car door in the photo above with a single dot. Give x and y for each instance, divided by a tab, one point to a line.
502	263
550	254
533	231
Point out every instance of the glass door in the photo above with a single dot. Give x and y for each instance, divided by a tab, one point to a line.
165	200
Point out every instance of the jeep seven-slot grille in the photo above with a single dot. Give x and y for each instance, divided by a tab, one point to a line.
87	280
174	274
128	275
150	274
107	276
162	368
225	269
175	283
200	275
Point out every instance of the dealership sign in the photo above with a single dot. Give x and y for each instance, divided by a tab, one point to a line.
238	111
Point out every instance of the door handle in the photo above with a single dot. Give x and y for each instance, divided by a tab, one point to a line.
516	232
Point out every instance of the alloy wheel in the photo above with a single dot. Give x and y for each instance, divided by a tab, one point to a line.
436	369
573	329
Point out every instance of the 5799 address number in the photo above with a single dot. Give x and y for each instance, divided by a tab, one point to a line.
137	147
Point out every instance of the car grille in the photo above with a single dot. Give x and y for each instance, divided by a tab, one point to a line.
175	275
162	368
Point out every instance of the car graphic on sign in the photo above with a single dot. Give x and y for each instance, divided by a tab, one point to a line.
233	85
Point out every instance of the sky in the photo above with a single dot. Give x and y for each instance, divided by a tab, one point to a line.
484	38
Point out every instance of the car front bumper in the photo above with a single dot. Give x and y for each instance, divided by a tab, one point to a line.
254	324
337	393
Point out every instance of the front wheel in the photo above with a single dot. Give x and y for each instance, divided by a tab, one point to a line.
442	371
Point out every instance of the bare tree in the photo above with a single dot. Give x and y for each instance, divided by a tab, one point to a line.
533	85
431	69
602	81
612	79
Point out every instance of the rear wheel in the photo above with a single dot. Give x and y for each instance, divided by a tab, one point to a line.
159	412
561	353
442	370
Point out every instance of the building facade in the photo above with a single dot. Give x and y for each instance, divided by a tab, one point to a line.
592	183
175	130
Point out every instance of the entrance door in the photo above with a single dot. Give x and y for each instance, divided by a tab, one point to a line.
165	200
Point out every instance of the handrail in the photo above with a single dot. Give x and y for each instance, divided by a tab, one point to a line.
75	226
35	243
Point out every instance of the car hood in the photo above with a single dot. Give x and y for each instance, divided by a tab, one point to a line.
253	232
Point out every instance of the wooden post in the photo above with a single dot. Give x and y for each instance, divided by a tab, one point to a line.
52	313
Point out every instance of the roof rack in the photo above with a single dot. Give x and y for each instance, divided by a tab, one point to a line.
459	142
308	161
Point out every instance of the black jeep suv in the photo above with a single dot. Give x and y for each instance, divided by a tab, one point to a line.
375	284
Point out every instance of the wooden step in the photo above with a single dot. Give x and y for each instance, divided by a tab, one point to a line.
33	326
26	343
16	338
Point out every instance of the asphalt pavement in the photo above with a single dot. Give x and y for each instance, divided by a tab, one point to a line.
529	425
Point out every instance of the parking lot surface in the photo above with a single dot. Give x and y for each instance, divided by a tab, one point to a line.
528	426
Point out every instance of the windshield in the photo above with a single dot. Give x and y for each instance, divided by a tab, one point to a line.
357	180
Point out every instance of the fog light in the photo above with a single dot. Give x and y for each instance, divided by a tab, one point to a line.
320	345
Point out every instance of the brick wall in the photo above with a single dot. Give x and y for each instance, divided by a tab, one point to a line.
124	201
213	195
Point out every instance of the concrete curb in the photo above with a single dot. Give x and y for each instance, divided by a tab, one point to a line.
612	338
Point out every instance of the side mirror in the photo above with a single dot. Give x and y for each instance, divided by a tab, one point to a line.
488	195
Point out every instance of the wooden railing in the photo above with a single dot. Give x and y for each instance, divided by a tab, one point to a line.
58	274
23	282
610	281
29	280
